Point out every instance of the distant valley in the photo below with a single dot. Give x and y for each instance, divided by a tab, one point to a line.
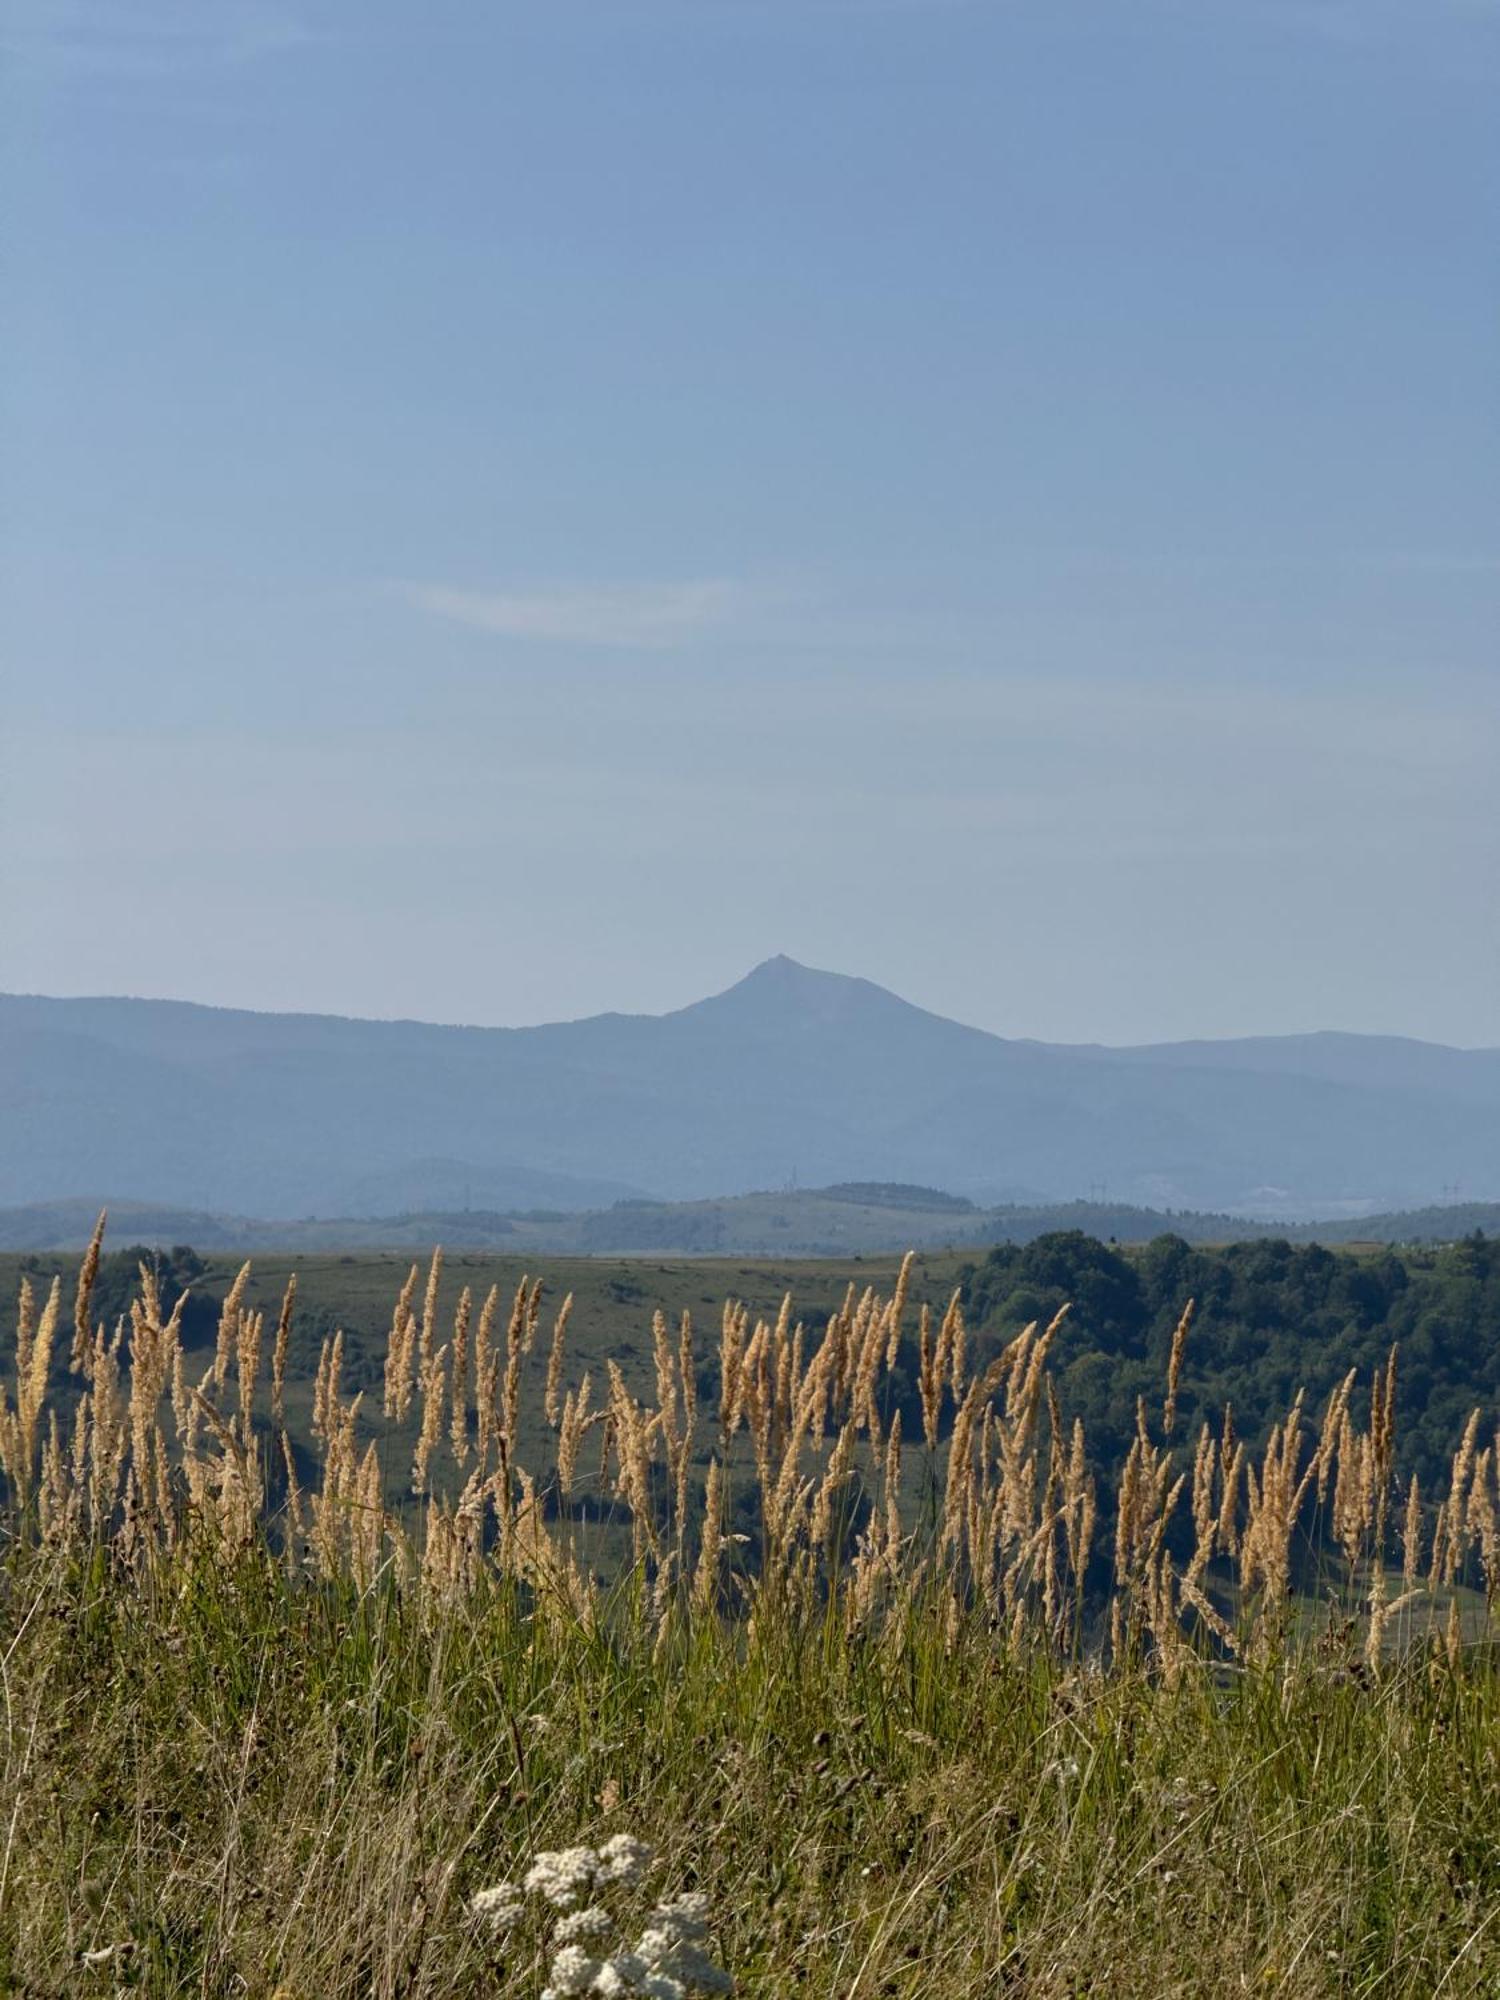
858	1221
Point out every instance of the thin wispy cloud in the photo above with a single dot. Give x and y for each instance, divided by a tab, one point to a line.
630	615
167	38
1358	23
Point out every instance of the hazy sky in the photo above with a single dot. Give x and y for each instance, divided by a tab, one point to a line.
511	510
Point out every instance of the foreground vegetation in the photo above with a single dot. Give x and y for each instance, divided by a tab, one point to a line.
881	1688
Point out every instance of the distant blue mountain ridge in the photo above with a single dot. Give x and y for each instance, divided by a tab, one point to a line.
790	1075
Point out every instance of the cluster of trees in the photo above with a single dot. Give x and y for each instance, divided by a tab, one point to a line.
1270	1317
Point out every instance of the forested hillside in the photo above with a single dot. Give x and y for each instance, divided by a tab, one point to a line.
1270	1317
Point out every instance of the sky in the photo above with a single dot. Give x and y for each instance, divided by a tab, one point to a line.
513	511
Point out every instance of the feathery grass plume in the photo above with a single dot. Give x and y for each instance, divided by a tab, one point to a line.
109	1433
1143	1569
781	1371
891	1488
840	1327
1027	1398
1348	1519
687	1368
367	1520
1480	1519
1047	1531
333	1503
83	1297
458	1371
929	1382
564	1595
280	1349
190	1434
25	1329
486	1372
552	1398
898	1309
434	1384
533	1317
1207	1512
230	1496
687	1389
19	1426
1332	1432
155	1360
31	1386
830	1491
732	1328
78	1459
960	1479
799	1429
757	1399
634	1454
1277	1496
229	1327
1174	1370
1457	1510
399	1352
575	1421
1080	1509
863	1404
325	1385
1383	1441
56	1502
666	1388
427	1335
247	1360
517	1345
953	1345
1232	1478
710	1543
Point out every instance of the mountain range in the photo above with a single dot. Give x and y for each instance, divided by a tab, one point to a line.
792	1075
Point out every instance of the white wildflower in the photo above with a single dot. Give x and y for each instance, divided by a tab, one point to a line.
573	1972
698	1972
671	1947
619	1976
593	1923
662	1986
564	1875
686	1916
658	1946
499	1907
624	1859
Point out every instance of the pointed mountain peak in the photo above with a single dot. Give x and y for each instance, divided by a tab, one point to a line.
780	992
787	972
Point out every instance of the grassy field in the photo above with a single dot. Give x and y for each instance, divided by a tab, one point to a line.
614	1302
879	1701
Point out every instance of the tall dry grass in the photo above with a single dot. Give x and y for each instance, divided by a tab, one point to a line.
1001	1518
888	1698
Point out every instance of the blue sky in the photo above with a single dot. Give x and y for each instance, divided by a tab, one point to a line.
512	511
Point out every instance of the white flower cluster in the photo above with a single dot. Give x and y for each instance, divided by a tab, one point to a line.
499	1907
564	1877
668	1961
